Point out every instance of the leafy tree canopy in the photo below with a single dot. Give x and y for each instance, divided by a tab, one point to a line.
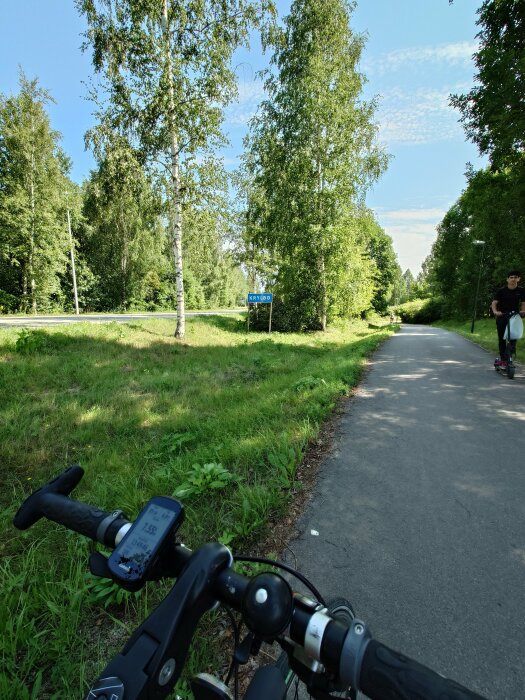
493	112
33	184
311	156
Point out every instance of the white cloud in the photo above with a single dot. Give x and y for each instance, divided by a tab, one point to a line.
413	232
418	116
412	246
421	115
449	54
251	91
250	95
226	160
413	215
238	117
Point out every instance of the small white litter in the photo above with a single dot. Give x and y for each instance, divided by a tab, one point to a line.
314	533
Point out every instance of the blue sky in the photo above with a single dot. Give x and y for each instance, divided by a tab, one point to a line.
417	53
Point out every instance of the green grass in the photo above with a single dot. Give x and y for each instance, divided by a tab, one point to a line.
143	414
484	332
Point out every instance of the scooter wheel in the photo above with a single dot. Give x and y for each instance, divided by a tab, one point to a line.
510	372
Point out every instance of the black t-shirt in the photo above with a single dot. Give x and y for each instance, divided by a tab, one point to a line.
509	299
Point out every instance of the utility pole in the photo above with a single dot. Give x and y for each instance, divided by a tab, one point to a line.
72	255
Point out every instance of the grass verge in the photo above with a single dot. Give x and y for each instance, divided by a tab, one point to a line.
484	332
223	417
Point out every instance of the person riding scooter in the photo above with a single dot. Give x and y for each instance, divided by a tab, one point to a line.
507	300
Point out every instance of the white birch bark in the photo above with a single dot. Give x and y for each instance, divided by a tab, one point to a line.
320	259
176	204
125	255
33	225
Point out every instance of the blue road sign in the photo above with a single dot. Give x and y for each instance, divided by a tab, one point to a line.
260	298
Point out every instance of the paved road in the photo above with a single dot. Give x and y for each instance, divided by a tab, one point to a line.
420	510
41	321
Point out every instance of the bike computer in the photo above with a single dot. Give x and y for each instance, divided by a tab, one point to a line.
134	557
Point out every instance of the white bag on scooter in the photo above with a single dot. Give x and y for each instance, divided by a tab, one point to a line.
515	327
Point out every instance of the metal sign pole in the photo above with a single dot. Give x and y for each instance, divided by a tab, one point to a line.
248	318
266	298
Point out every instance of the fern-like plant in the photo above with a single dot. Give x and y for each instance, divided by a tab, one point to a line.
202	478
104	591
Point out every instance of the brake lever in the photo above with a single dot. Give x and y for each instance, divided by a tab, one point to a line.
249	646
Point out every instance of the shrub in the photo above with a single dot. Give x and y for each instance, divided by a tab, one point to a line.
420	310
35	341
286	317
29	342
8	303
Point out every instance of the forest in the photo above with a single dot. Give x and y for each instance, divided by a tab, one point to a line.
160	223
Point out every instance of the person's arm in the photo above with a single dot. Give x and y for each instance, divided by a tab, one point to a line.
522	310
494	307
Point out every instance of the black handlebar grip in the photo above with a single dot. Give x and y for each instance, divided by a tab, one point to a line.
51	501
389	675
31	509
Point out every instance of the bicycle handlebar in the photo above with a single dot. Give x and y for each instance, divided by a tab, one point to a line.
152	659
389	674
51	501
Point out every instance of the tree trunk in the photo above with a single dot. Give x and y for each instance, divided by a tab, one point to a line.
322	286
320	259
176	208
31	263
24	304
176	220
253	271
124	258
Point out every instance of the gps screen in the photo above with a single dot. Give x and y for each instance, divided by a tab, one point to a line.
144	536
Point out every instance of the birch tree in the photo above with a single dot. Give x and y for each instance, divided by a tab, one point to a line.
167	77
312	155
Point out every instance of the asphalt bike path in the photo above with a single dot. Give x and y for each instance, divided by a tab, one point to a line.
418	516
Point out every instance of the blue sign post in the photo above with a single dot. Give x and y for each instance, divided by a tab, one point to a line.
265	298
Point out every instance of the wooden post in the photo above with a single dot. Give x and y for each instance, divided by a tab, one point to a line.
270	322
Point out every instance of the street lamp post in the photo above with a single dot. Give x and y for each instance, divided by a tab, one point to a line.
482	244
75	292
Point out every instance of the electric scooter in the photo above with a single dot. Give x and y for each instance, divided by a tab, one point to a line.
513	332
